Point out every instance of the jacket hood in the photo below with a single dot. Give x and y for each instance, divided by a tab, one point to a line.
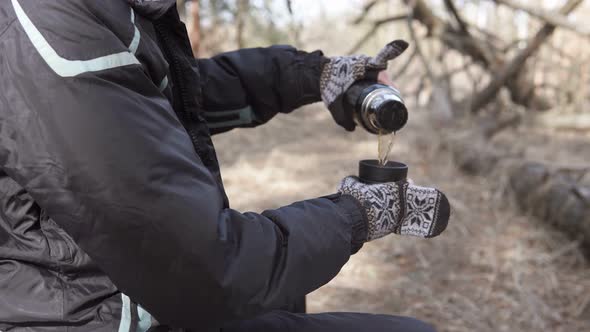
152	9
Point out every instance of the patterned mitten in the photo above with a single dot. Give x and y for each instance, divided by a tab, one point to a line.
343	71
399	208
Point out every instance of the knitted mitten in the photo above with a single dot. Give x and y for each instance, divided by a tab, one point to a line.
399	208
342	72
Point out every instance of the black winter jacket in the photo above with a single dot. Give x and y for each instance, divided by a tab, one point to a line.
113	216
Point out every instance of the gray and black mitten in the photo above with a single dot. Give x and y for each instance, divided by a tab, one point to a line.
341	72
399	208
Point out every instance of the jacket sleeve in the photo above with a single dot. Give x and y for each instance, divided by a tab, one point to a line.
103	153
248	87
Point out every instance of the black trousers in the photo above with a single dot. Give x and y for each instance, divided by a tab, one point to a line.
282	321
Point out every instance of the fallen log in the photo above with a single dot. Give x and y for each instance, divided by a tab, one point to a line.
554	198
547	193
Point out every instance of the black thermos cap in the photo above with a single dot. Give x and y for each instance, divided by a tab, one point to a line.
392	115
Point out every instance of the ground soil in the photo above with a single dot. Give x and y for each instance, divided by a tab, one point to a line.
494	269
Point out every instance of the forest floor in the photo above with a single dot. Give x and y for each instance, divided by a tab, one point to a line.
494	269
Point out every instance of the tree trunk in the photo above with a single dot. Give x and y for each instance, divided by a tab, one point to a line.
240	18
194	26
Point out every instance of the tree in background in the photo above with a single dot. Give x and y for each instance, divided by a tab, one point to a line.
219	25
507	42
193	23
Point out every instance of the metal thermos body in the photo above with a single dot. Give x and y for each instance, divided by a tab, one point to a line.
377	107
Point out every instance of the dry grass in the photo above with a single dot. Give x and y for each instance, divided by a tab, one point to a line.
494	269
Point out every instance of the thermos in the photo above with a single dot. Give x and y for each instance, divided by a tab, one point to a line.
378	108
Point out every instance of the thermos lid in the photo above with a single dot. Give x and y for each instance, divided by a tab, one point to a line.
392	115
381	108
371	172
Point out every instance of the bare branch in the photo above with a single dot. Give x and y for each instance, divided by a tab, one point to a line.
417	44
513	67
366	9
462	68
371	32
453	9
404	67
454	38
289	7
477	47
555	19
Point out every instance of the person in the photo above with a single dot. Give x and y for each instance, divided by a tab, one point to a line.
113	215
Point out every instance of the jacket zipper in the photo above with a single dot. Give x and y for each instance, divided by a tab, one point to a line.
160	30
205	153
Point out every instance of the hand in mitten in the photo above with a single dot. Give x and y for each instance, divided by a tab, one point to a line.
340	73
400	208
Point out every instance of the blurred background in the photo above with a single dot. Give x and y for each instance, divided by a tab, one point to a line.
499	98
